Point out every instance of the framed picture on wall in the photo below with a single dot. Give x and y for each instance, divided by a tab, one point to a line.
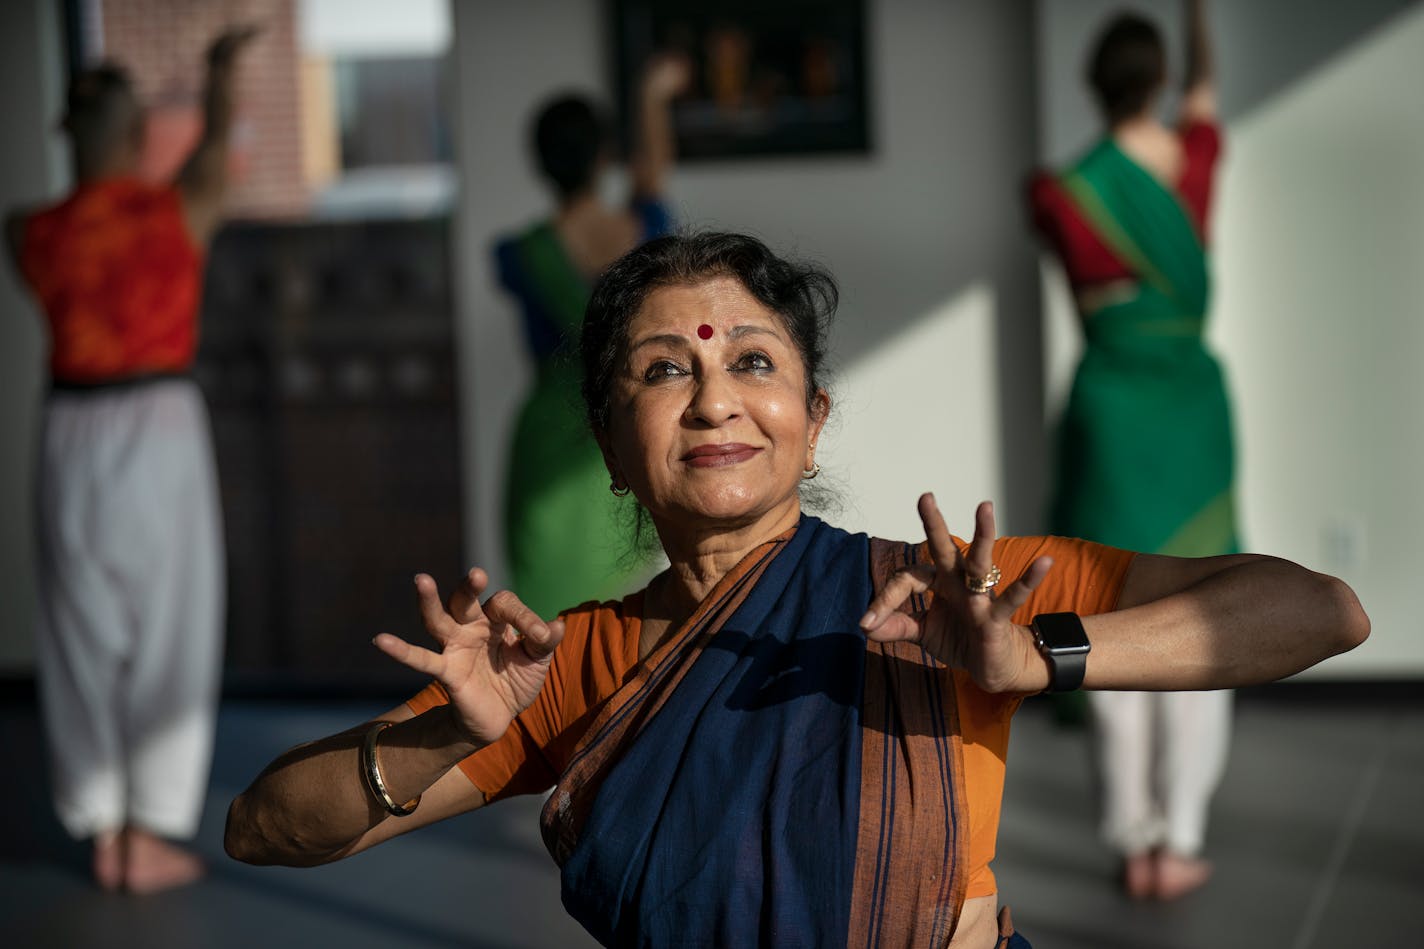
782	78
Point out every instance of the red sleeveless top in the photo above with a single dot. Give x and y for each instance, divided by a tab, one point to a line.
119	279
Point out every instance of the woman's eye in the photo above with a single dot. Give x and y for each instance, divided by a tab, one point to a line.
755	362
662	369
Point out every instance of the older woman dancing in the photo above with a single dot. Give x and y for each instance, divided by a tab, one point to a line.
793	735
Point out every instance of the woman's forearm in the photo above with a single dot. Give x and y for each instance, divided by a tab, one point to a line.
1199	64
1257	620
312	804
654	148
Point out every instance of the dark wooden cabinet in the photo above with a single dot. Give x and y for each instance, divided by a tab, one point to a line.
328	361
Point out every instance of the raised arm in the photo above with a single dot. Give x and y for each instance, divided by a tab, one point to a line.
1211	623
654	151
202	180
313	804
1199	83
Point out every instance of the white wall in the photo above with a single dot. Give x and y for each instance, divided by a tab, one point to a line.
1318	235
1320	309
32	169
373	27
924	235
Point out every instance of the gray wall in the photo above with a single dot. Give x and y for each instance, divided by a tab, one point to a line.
1261	47
32	168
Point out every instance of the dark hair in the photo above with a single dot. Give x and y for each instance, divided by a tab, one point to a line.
100	106
1128	66
569	136
803	295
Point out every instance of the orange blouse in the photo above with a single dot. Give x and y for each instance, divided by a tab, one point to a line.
600	650
119	279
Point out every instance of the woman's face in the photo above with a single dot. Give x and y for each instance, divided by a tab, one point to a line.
708	422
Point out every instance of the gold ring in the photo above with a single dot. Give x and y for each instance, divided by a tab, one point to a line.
983	584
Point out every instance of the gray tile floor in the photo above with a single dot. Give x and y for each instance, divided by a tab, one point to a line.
1317	836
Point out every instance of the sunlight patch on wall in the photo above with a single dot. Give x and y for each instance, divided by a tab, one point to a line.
920	413
1320	236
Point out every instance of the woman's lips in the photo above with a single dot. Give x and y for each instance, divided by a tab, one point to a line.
717	456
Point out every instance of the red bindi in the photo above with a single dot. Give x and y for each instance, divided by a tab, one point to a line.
704	331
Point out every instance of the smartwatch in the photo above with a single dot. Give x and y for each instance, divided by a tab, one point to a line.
1064	643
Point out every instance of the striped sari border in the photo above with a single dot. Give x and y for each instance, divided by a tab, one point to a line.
910	864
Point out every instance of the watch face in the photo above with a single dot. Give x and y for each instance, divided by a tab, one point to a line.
1061	633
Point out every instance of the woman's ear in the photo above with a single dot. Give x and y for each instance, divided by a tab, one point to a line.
610	461
820	410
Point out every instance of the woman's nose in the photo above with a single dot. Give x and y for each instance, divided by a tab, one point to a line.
714	400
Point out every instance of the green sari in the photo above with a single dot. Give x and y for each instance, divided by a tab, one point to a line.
563	531
1145	453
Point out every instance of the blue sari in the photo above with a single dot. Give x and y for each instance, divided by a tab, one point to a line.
770	777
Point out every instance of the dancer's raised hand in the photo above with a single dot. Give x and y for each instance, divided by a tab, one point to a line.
967	625
492	658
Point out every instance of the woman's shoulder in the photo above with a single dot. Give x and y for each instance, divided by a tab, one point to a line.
598	632
599	613
1042	188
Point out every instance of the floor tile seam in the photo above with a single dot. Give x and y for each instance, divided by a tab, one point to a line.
1349	829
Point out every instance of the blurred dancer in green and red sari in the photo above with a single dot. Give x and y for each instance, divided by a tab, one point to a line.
563	535
1145	457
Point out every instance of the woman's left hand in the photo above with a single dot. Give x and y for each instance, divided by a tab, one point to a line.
964	629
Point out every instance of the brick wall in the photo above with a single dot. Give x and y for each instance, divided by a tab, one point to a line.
162	44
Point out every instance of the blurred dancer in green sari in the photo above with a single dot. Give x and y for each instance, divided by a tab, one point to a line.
563	533
1145	458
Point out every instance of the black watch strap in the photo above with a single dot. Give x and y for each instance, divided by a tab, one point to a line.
1064	643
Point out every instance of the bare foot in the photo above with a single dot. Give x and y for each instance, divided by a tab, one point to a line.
108	865
1139	875
154	864
1178	875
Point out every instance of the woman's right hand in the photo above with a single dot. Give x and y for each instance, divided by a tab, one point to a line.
666	76
223	50
493	658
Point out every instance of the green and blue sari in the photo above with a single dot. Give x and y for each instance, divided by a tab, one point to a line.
564	534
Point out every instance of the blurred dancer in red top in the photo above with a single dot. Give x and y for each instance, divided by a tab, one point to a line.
130	552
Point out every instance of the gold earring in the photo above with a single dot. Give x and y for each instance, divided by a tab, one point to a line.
811	472
617	491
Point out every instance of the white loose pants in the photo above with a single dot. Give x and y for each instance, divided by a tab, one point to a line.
131	585
1161	756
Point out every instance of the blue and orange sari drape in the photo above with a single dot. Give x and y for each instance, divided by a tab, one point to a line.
768	777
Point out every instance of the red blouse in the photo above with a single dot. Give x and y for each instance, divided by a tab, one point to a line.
1086	258
119	279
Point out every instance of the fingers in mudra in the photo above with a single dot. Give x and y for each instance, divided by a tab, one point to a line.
504	628
957	612
537	637
464	602
492	657
883	622
978	561
441	623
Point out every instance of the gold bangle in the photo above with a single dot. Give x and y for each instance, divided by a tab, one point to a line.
375	782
